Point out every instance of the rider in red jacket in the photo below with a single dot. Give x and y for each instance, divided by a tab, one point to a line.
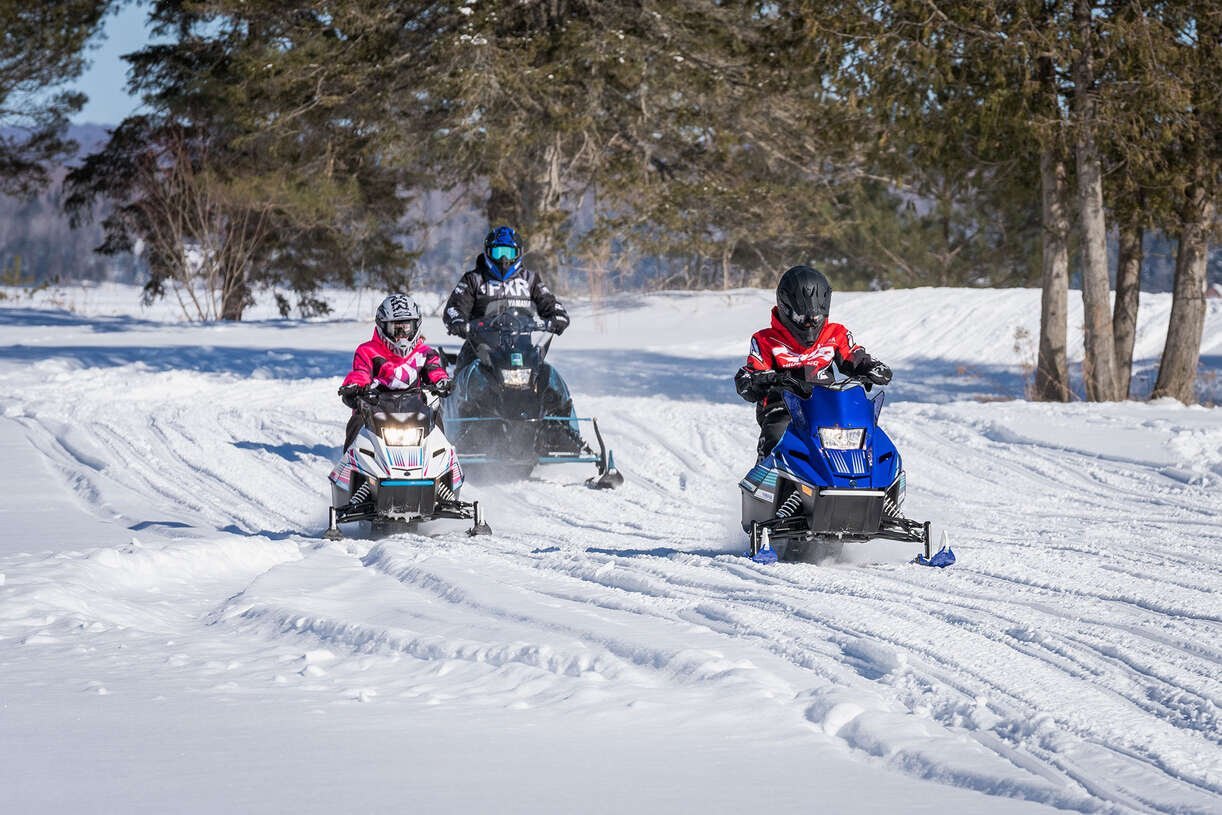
802	340
396	357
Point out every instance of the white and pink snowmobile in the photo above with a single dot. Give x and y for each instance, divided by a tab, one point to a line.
400	469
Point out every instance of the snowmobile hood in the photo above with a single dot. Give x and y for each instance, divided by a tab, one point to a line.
801	451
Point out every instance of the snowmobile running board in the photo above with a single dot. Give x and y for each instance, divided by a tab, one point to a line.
604	460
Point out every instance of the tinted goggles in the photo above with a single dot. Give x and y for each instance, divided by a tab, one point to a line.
503	253
805	320
402	329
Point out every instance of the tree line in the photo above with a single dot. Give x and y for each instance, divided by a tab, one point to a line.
687	142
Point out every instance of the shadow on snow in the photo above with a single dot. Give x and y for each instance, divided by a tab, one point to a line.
262	363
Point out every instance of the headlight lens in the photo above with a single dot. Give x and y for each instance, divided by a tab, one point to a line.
842	438
403	436
516	377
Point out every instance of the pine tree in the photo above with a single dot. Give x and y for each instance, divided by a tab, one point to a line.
1195	51
43	46
252	168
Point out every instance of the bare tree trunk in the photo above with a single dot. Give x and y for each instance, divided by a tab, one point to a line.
235	292
1128	295
1099	364
1051	366
1178	370
727	252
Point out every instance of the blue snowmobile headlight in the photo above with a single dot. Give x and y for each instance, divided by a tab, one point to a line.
402	436
842	438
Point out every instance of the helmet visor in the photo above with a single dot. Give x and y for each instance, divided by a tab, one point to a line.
499	253
402	329
804	320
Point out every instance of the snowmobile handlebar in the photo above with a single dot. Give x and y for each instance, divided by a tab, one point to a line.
372	392
802	388
498	323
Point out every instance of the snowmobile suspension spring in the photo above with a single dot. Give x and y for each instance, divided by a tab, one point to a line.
361	494
445	493
790	506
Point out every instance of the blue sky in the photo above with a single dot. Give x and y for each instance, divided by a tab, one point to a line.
105	79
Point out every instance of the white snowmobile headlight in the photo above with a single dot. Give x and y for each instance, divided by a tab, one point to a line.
403	436
842	438
516	377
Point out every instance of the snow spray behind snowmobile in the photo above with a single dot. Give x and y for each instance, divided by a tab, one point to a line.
400	469
511	410
834	475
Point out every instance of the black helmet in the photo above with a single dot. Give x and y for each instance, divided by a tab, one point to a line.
803	299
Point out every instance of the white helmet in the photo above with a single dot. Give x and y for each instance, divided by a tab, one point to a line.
398	322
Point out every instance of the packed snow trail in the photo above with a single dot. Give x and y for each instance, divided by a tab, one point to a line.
1070	660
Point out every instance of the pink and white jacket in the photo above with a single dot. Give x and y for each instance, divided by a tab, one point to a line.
397	371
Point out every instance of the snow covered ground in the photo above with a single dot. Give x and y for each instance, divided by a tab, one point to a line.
175	637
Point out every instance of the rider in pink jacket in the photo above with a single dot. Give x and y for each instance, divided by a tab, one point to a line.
395	371
395	357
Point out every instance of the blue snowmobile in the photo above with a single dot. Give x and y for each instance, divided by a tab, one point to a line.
834	475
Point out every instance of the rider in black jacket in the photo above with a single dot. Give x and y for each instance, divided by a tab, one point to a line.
500	281
500	277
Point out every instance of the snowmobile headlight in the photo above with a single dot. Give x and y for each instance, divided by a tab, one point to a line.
842	438
403	435
516	377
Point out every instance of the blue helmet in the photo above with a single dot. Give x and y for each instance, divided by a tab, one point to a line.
503	252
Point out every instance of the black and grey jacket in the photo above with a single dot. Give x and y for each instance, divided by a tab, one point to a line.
479	287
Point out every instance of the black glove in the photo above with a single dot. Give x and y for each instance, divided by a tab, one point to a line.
556	325
351	394
458	328
878	373
763	380
443	387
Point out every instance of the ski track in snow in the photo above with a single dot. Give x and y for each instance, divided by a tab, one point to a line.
1071	658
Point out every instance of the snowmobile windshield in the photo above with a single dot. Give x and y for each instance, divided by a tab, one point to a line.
506	340
497	329
841	404
400	408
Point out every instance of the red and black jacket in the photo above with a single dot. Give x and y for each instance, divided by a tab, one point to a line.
775	349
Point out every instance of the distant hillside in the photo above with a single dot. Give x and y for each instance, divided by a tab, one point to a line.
89	136
36	242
